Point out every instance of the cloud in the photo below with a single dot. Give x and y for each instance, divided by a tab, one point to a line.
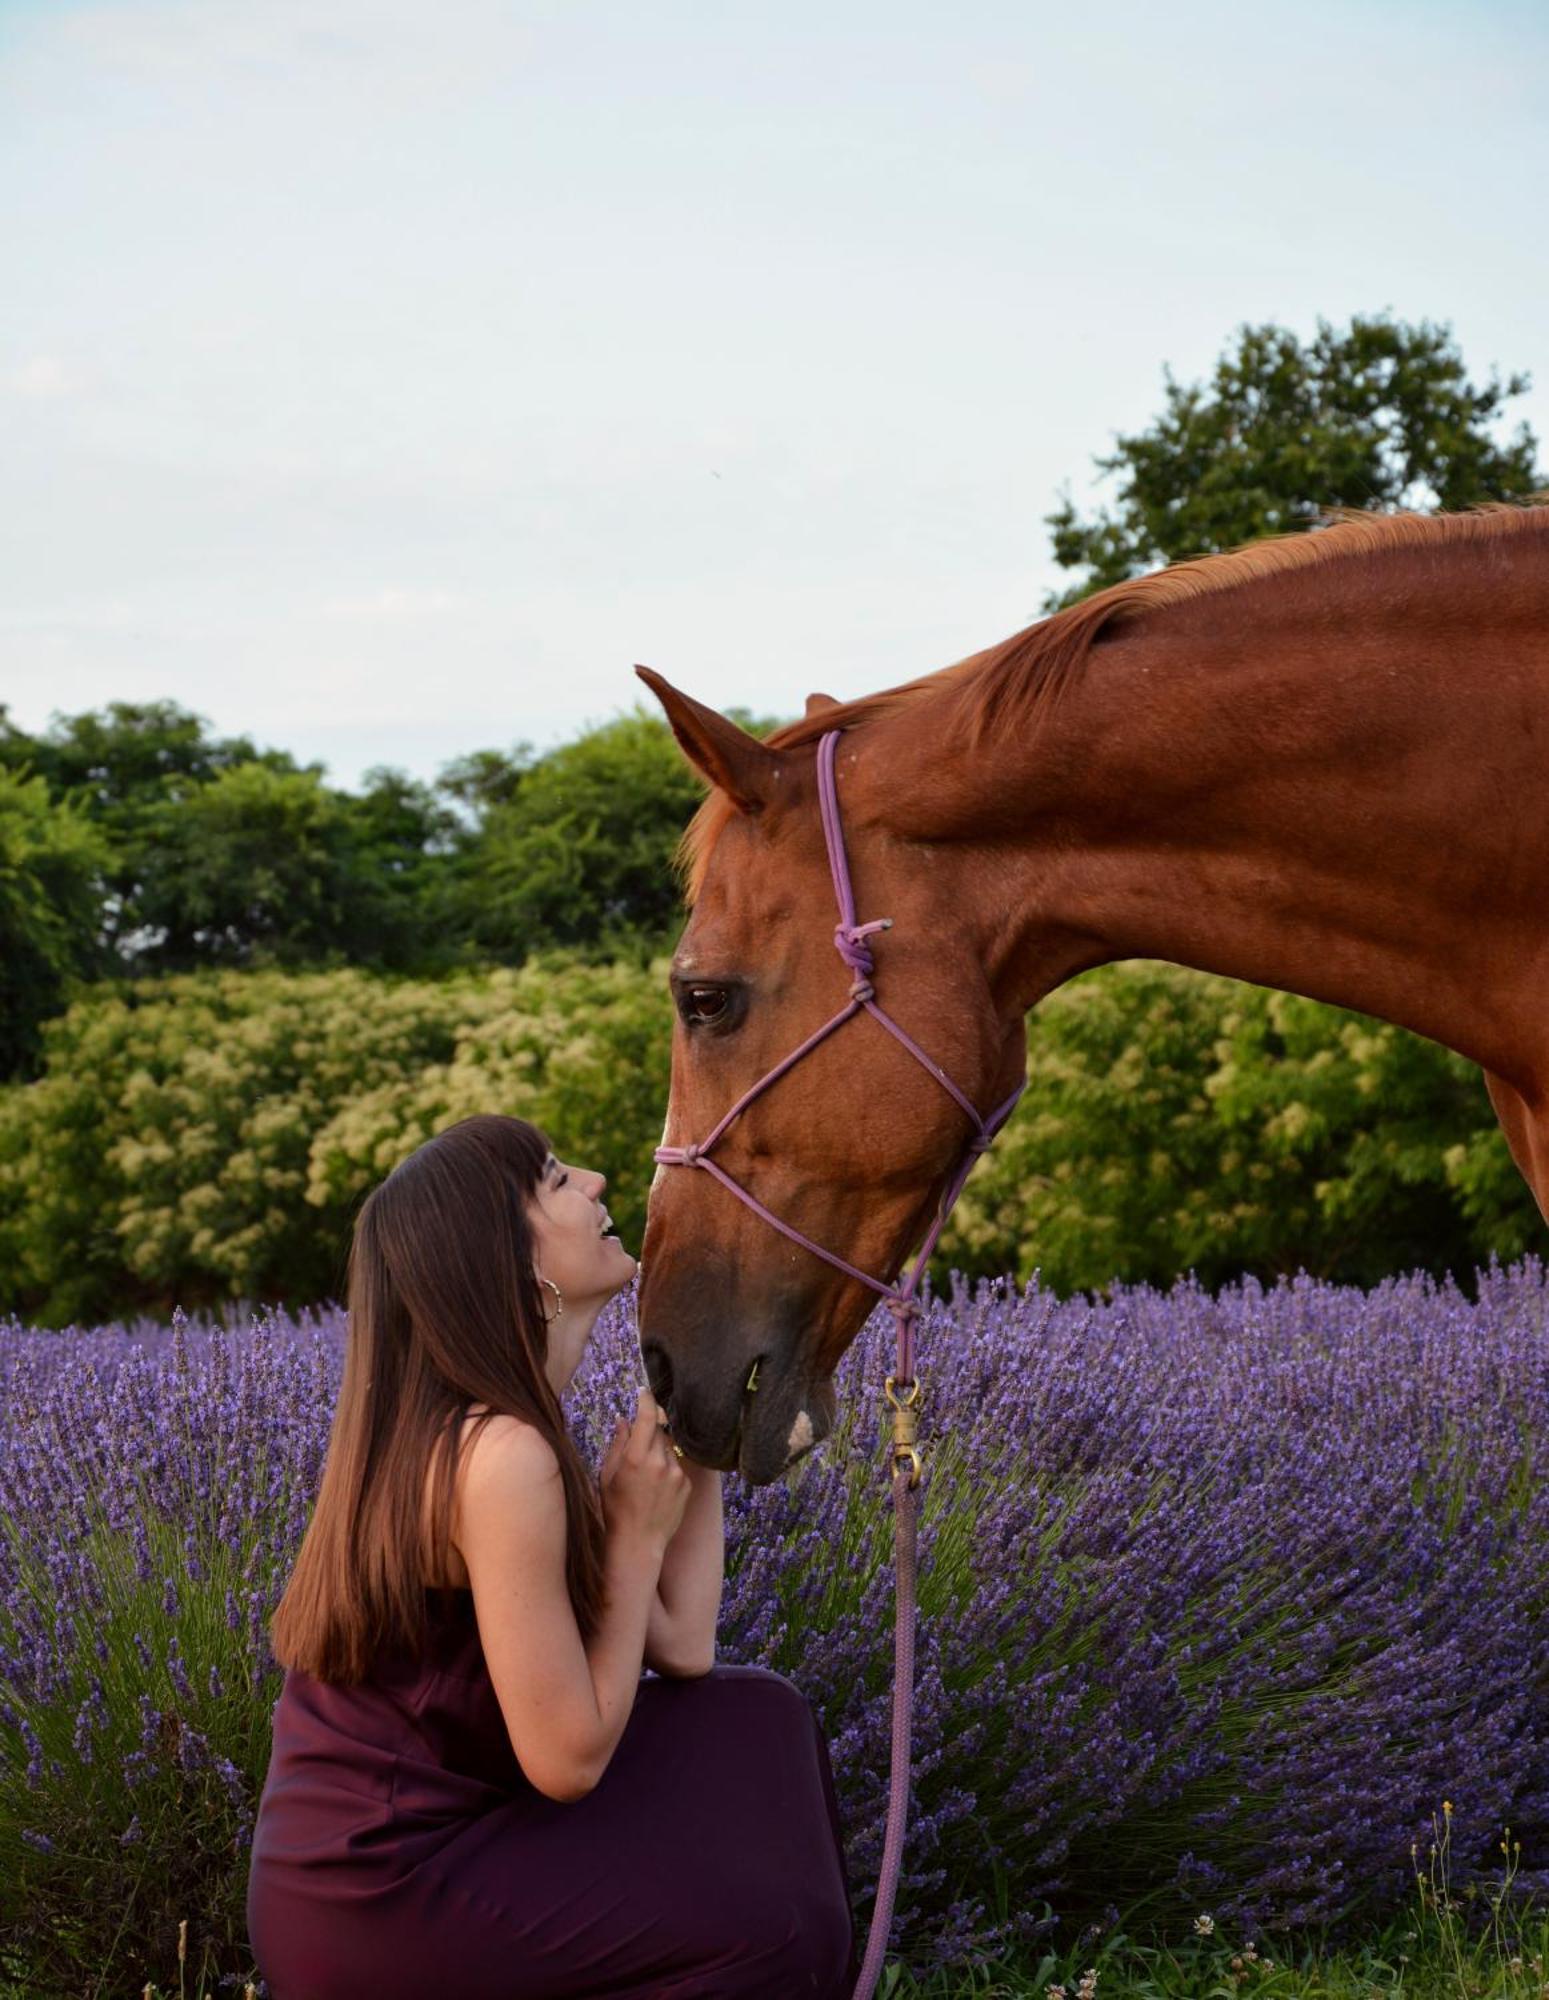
43	379
395	602
172	37
390	46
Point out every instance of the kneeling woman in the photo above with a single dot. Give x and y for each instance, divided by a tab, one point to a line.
473	1791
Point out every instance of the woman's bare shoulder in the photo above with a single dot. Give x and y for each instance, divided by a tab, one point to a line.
505	1452
503	1464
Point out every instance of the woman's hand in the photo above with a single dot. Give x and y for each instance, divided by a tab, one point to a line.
644	1486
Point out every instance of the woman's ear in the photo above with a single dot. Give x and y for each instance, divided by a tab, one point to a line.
747	771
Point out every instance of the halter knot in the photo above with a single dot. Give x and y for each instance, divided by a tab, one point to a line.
903	1309
981	1143
863	990
690	1155
850	943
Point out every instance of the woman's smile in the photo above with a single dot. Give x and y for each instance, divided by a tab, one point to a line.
577	1252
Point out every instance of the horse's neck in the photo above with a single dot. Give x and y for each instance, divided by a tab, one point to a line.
1345	801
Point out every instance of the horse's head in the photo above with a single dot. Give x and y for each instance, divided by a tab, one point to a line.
854	1144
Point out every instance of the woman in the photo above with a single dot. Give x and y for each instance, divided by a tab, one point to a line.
473	1793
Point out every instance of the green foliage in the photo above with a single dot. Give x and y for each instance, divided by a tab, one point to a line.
254	863
1380	416
50	868
580	1049
268	866
579	851
126	768
129	755
1445	1946
214	852
401	836
206	1137
485	778
1177	1121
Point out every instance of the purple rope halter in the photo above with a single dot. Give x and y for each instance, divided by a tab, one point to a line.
850	940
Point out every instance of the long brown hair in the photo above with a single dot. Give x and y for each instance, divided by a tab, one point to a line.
445	1310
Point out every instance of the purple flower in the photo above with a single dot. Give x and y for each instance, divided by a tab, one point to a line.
1219	1595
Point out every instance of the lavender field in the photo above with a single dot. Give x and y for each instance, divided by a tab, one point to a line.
1221	1597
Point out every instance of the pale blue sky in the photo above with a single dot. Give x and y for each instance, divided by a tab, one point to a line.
383	380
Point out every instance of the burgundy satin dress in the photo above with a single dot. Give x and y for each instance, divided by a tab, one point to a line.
401	1851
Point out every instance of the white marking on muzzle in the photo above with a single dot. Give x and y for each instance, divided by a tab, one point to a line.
661	1172
801	1435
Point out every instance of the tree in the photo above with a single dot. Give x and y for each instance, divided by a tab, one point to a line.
218	852
403	840
130	752
1380	416
579	851
123	767
257	866
51	863
484	779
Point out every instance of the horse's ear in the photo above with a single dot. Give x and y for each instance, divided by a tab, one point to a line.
745	769
816	703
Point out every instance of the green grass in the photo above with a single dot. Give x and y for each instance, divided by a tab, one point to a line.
1479	1946
1401	1962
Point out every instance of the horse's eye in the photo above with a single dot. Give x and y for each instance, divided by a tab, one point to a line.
717	1006
703	1003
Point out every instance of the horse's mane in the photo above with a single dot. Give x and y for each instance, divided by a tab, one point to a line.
989	690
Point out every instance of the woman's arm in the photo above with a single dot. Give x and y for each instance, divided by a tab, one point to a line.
680	1631
565	1704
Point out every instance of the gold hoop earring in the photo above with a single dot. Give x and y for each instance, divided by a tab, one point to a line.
559	1303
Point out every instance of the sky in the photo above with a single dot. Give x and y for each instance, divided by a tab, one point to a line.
382	381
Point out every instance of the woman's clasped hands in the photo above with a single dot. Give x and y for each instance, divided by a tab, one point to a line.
645	1488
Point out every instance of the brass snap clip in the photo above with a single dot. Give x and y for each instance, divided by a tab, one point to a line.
906	1428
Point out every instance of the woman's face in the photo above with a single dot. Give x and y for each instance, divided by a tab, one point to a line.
574	1248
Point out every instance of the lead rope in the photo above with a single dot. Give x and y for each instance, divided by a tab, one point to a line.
903	1396
902	1390
904	1457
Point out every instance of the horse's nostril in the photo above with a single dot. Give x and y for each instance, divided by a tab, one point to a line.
658	1371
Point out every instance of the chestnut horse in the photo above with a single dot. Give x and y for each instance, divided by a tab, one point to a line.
1315	763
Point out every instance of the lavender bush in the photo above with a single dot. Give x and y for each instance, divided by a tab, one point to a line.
154	1486
1220	1597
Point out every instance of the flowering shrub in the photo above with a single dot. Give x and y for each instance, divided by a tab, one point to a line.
201	1139
1175	1121
154	1487
1219	1596
206	1138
